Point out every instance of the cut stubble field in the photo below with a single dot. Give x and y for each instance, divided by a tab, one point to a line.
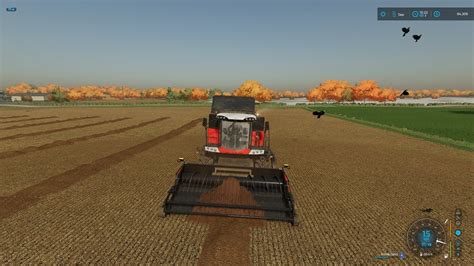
93	194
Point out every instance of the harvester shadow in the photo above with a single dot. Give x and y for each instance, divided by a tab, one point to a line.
228	239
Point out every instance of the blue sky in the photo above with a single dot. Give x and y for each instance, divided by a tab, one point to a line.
283	44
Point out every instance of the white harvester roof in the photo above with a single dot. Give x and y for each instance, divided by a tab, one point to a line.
236	116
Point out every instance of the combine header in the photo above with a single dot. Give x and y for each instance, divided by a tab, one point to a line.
236	176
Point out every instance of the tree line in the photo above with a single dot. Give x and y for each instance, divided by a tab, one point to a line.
329	90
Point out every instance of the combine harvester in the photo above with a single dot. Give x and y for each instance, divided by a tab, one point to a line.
236	176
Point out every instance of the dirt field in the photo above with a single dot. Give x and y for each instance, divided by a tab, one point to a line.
85	185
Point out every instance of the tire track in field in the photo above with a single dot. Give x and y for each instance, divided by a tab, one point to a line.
29	119
45	132
50	122
11	154
226	235
27	197
15	116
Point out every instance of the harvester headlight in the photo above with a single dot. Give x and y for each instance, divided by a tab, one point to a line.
257	152
211	149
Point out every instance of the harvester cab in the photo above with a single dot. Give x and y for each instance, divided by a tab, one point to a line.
236	175
235	131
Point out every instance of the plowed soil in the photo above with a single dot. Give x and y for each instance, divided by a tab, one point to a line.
93	194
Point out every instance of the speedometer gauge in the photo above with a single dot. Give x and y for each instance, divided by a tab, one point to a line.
426	237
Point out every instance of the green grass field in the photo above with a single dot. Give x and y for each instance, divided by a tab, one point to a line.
449	125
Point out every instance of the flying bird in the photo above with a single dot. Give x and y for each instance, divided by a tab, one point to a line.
405	30
417	37
318	113
405	93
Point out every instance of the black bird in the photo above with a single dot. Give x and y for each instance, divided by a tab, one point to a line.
427	210
405	93
405	31
417	37
318	113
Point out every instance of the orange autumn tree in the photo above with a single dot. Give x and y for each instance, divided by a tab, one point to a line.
390	94
158	93
461	93
113	91
50	88
436	93
341	90
93	92
382	95
20	88
366	89
123	92
89	92
336	90
74	95
252	88
375	94
199	94
315	95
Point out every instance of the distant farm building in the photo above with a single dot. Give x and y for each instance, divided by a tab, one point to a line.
16	98
29	97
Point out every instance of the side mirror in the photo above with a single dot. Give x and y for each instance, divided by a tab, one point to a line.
267	125
286	165
181	159
204	122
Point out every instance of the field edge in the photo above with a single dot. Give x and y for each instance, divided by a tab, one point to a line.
463	145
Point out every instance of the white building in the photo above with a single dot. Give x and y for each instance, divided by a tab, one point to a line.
34	97
40	97
16	98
